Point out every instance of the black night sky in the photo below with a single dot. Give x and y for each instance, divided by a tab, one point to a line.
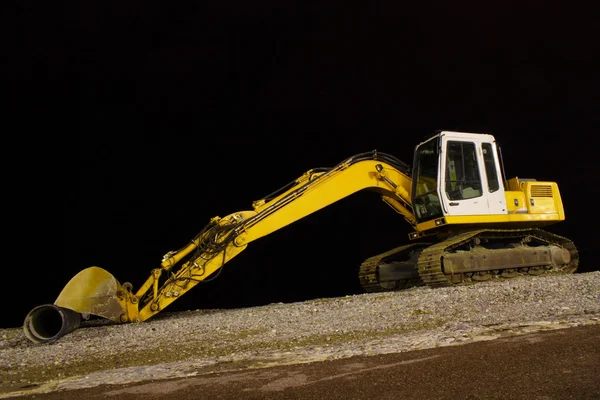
161	115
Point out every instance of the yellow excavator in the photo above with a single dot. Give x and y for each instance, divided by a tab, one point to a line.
470	223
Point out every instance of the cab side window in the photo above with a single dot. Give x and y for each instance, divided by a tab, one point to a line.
490	167
462	171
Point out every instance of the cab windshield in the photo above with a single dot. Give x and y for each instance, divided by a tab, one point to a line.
426	201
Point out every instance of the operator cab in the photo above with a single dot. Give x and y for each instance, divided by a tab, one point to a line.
457	173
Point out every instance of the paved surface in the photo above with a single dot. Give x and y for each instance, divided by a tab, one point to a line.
560	364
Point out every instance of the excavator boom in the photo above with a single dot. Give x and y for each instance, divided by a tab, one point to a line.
226	237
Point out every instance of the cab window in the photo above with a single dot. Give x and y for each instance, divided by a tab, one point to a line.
426	201
462	171
490	167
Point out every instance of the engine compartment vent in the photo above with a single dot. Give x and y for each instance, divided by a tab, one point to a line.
541	191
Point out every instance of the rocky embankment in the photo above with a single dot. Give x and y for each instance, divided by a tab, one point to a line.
196	342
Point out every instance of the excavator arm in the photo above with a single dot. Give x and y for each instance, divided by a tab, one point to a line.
224	238
95	291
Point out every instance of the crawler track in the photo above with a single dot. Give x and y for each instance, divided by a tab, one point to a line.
430	261
368	270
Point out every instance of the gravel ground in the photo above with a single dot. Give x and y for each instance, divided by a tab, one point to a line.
196	342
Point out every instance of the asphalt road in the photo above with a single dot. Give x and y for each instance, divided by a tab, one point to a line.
559	364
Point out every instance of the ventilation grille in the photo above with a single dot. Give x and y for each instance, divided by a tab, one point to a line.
541	191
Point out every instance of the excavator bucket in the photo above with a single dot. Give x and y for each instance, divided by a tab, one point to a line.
93	291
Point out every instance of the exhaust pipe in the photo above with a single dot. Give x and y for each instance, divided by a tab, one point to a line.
49	322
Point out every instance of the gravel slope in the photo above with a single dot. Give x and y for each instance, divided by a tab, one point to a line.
196	342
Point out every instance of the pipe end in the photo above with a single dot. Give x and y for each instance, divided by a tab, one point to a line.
48	323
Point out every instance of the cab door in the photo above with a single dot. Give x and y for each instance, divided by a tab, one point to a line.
467	161
492	178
